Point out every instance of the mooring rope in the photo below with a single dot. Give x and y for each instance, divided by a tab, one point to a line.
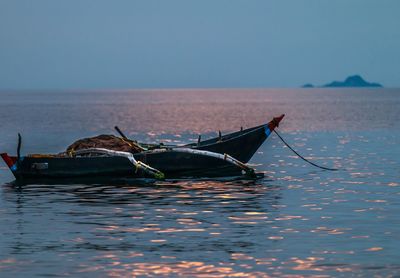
299	155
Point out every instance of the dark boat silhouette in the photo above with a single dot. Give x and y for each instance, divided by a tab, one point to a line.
217	157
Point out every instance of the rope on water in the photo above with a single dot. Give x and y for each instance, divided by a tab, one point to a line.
299	155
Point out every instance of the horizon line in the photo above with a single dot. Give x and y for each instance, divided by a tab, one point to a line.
179	88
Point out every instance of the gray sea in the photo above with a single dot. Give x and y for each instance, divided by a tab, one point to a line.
297	221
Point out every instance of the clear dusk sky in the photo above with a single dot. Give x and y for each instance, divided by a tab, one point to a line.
92	44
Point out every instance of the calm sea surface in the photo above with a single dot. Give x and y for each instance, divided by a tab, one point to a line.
298	220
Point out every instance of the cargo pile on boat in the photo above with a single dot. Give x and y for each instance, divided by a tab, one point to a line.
104	141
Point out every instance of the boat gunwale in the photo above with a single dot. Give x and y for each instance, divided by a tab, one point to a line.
225	138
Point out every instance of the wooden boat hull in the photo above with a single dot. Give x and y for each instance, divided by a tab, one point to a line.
241	145
172	164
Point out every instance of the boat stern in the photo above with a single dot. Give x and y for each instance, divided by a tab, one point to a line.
11	161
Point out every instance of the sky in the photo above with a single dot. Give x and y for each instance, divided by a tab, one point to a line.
98	44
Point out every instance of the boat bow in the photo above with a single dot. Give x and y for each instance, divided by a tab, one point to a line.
273	124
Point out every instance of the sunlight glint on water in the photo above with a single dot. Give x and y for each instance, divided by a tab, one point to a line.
297	220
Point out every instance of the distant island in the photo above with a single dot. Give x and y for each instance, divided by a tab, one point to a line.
351	81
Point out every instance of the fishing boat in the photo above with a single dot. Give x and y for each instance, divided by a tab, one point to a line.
225	155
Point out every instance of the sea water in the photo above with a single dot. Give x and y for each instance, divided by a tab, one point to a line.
298	220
